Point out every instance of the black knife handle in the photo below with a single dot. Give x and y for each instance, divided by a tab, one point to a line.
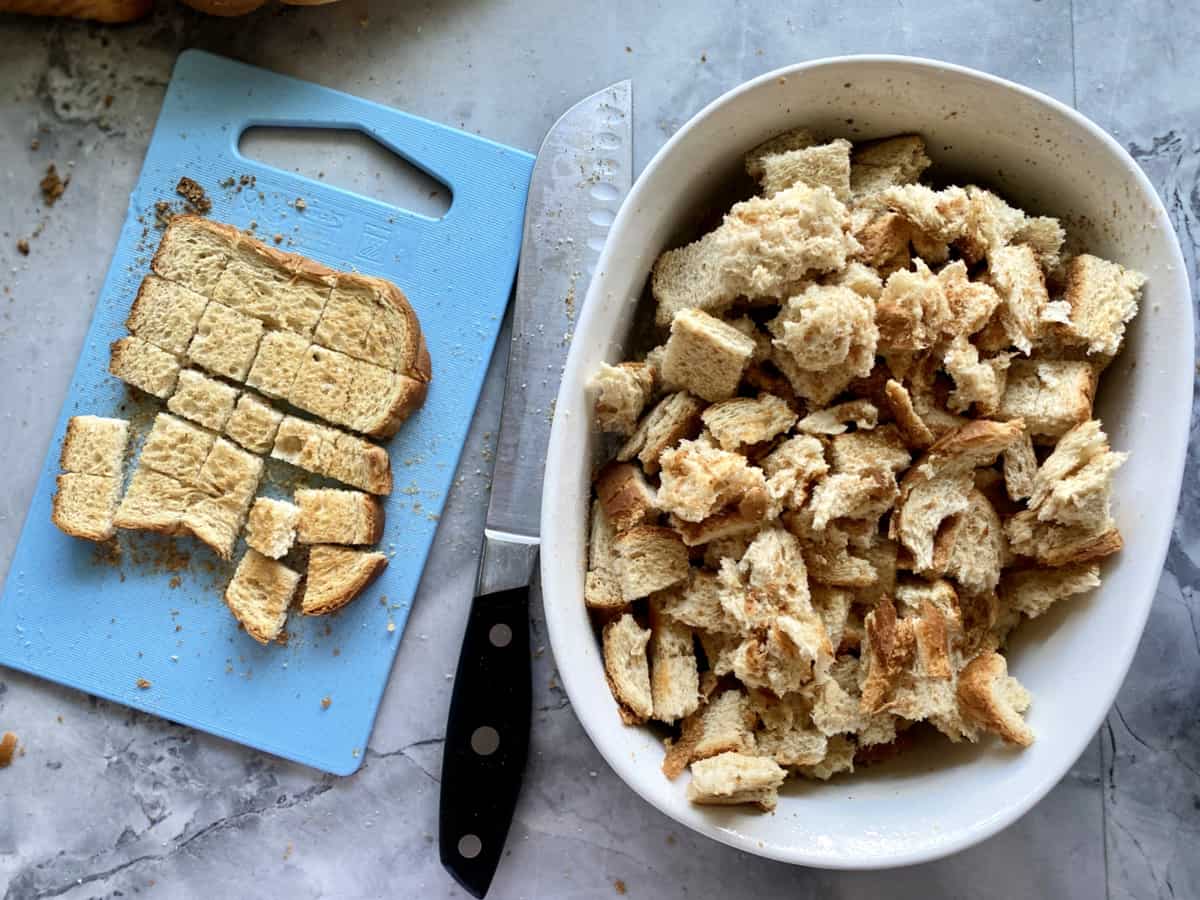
480	778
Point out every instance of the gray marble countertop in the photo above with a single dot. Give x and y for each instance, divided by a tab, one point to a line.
107	802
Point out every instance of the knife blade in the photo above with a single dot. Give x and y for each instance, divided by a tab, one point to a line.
583	171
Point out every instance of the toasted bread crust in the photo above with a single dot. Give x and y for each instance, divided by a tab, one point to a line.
365	569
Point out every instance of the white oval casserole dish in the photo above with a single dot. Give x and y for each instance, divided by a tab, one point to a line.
1045	158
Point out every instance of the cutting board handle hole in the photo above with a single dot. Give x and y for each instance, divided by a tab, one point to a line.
349	160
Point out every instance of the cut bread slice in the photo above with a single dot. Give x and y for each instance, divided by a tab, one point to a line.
203	400
289	300
336	575
165	314
84	505
332	516
176	448
674	418
225	342
837	419
335	454
733	778
795	139
1033	591
155	502
94	446
1103	297
271	526
1052	396
144	366
259	595
674	677
743	422
215	522
627	498
627	669
724	723
602	590
826	164
253	423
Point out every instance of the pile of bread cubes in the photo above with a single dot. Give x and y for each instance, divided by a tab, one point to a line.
864	454
240	339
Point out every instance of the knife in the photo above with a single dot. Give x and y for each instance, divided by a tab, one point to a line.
582	173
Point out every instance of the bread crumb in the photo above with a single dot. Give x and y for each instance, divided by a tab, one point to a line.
193	195
52	186
278	239
300	205
8	746
143	684
163	214
391	626
35	144
23	247
287	851
174	582
326	702
619	887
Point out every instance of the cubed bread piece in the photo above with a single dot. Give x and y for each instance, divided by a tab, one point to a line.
1033	591
991	225
648	558
230	473
1103	297
698	481
94	446
165	314
216	522
972	304
1074	484
601	589
674	418
732	778
253	423
345	324
1055	545
880	449
972	548
225	341
860	495
336	575
837	419
976	381
913	312
1020	467
825	326
271	526
992	699
331	516
281	299
938	216
356	394
395	341
1014	272
795	139
144	366
176	448
622	392
203	400
912	427
826	164
1045	236
787	733
627	498
792	468
279	357
743	422
155	502
884	238
697	603
705	355
880	164
1051	396
763	247
723	724
84	505
192	253
627	669
674	678
259	595
306	445
922	510
360	464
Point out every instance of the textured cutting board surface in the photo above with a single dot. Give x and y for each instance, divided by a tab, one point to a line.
149	611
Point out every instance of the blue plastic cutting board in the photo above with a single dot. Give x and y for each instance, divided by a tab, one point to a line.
68	615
